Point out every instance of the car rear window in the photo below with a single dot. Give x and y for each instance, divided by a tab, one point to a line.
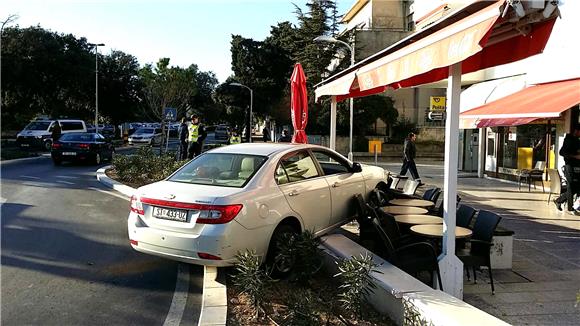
220	169
38	125
68	125
77	137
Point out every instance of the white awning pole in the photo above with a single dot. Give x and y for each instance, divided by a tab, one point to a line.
333	123
451	267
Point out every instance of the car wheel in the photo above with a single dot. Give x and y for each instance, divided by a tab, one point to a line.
281	265
98	158
48	145
56	161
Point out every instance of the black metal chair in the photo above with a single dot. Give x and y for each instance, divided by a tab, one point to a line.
478	254
438	209
465	215
411	258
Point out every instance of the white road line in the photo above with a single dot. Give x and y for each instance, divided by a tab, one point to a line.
29	177
110	193
179	296
67	177
65	182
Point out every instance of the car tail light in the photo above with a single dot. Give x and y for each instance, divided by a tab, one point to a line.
208	214
84	145
56	145
136	205
134	242
204	255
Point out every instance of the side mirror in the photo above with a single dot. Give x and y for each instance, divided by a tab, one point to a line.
356	167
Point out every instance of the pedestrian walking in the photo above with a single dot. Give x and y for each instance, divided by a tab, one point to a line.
570	151
266	134
183	136
285	137
196	135
56	131
409	154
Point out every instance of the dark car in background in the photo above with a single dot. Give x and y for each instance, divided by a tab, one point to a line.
82	147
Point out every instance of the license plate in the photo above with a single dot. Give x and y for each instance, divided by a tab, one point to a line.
25	145
69	153
170	214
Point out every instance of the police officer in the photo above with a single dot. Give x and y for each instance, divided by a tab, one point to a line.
196	136
183	136
234	138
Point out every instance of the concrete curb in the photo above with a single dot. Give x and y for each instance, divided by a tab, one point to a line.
214	304
214	301
25	159
104	179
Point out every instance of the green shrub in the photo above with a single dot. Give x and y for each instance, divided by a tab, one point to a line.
145	166
301	309
356	282
251	278
303	249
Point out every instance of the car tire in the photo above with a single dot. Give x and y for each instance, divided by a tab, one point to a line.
47	145
56	162
98	159
279	268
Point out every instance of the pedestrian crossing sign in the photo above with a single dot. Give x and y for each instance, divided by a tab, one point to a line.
170	114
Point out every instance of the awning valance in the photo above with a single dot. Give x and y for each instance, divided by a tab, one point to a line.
476	36
534	102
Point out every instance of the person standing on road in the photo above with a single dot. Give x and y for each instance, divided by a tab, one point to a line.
196	136
56	131
183	135
266	134
570	151
285	138
409	153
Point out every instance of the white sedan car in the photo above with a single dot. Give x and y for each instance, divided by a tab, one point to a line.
246	196
149	136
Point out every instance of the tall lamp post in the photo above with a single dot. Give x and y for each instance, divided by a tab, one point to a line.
330	39
8	20
96	45
249	128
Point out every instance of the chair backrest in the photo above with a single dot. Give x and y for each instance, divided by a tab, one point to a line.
394	182
362	215
436	195
485	224
387	244
540	165
430	193
555	181
464	215
410	187
389	224
378	198
439	208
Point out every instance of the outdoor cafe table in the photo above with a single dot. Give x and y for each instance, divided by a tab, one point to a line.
401	210
436	231
411	202
418	219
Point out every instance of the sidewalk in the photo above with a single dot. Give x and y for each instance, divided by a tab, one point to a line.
544	284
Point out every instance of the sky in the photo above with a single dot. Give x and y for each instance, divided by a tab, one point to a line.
186	31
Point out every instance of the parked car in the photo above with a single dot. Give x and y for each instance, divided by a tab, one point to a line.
83	147
247	196
150	136
38	133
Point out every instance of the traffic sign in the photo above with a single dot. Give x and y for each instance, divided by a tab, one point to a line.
170	114
436	116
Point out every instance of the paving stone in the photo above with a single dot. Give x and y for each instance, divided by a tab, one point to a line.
539	308
544	320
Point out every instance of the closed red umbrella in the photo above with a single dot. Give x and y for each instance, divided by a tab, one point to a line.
299	104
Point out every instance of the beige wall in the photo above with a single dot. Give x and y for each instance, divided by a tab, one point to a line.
388	14
369	42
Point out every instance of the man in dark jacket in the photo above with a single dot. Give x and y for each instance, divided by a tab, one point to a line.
183	135
285	137
570	151
409	153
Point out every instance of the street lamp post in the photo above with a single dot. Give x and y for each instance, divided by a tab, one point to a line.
330	39
249	128
96	45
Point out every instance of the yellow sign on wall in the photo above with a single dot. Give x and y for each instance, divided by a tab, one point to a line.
437	103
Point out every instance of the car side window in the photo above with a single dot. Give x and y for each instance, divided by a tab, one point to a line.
296	167
331	164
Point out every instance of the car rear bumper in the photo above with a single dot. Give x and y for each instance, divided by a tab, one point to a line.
80	156
221	240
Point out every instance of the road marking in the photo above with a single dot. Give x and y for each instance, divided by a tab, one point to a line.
179	296
65	182
110	193
67	177
30	177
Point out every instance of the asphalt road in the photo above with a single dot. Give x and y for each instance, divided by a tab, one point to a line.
66	258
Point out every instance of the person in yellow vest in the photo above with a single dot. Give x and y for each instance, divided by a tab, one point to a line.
196	136
234	138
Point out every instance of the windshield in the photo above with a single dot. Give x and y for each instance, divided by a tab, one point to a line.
77	137
38	125
220	169
144	131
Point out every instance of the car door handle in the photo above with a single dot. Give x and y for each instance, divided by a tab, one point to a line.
293	193
336	185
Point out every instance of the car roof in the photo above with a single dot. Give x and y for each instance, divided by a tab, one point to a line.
262	148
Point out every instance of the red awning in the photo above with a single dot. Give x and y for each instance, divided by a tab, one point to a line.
534	102
480	40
